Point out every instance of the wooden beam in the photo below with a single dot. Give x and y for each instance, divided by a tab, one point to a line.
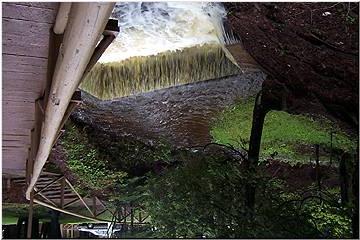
71	202
68	212
99	50
102	204
86	23
62	17
112	28
81	199
48	185
101	212
110	33
46	198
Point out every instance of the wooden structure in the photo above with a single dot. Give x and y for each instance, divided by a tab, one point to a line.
26	70
56	192
47	49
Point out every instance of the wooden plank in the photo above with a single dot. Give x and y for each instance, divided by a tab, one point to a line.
42	40
16	143
57	197
14	158
25	38
18	108
16	132
57	193
13	85
35	80
44	5
23	64
17	123
16	95
16	11
20	138
34	31
25	116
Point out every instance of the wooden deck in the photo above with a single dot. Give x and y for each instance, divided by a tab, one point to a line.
26	39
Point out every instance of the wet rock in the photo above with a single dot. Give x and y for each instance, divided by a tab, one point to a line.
179	116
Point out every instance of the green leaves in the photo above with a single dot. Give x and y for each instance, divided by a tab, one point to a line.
86	162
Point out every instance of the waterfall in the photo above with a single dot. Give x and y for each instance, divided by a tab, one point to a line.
161	45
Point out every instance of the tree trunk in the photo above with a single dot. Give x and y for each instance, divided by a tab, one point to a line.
344	179
355	190
318	173
55	231
259	113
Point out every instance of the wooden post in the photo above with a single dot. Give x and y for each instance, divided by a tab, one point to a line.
259	114
30	218
62	192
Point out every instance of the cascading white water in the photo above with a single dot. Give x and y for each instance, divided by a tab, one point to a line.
148	28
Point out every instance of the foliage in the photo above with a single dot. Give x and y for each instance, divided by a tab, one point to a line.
86	163
288	135
205	197
334	222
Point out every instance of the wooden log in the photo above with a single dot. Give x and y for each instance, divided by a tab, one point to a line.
86	24
62	17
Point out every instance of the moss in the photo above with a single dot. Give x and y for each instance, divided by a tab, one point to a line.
142	74
85	161
291	136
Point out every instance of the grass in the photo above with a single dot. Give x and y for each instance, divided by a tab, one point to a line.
12	211
291	136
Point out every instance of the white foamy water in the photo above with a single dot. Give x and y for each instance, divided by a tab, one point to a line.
148	28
